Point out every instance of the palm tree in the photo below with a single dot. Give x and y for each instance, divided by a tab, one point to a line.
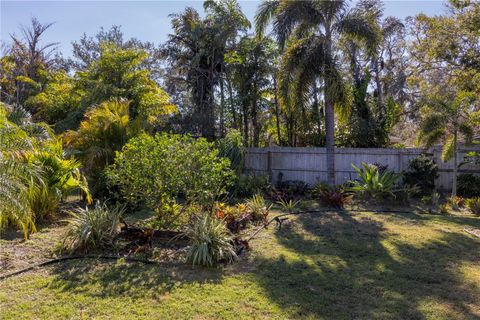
446	119
310	31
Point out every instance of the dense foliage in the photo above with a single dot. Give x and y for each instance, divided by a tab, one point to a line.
160	169
468	185
422	172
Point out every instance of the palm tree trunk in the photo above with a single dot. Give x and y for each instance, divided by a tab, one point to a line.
277	111
222	108
329	118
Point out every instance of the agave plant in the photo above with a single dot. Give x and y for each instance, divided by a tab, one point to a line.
373	183
91	228
211	242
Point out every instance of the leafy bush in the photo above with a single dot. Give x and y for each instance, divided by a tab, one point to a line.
211	242
293	188
248	185
160	169
473	205
236	217
92	228
422	172
468	185
258	208
374	184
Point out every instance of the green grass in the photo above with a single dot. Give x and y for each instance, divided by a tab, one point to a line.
319	266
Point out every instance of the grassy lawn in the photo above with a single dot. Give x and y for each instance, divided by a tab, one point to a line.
319	266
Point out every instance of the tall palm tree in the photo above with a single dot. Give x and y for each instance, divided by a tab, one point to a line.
309	32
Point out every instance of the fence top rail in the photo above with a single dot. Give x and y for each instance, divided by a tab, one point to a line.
318	150
321	150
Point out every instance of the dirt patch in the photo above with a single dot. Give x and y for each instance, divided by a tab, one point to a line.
16	253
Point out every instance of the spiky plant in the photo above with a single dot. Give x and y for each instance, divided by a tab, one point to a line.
258	208
373	183
92	228
211	242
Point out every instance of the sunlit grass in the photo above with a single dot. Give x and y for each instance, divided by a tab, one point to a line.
319	266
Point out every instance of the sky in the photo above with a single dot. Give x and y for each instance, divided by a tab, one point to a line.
145	20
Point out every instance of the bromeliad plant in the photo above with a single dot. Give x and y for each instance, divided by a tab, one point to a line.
336	197
372	183
258	208
211	242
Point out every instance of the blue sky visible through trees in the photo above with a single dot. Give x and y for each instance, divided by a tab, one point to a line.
145	20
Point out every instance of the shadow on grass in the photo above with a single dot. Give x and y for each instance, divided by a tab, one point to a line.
135	280
335	266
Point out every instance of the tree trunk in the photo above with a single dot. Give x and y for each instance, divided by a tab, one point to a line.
329	117
455	165
277	111
232	105
222	109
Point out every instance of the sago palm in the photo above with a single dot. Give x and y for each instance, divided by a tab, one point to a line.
310	31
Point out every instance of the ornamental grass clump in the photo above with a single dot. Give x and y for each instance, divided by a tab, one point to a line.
211	242
92	228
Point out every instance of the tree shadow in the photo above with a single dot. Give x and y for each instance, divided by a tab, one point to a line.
337	266
133	279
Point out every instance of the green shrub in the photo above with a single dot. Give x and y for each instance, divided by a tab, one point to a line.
211	242
94	228
422	172
473	205
468	185
161	169
374	184
248	185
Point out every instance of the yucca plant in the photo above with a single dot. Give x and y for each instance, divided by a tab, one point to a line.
211	242
258	208
92	228
473	205
374	184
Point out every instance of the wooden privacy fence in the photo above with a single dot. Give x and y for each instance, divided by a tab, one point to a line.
309	164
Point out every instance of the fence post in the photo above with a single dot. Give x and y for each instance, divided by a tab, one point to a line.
269	166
